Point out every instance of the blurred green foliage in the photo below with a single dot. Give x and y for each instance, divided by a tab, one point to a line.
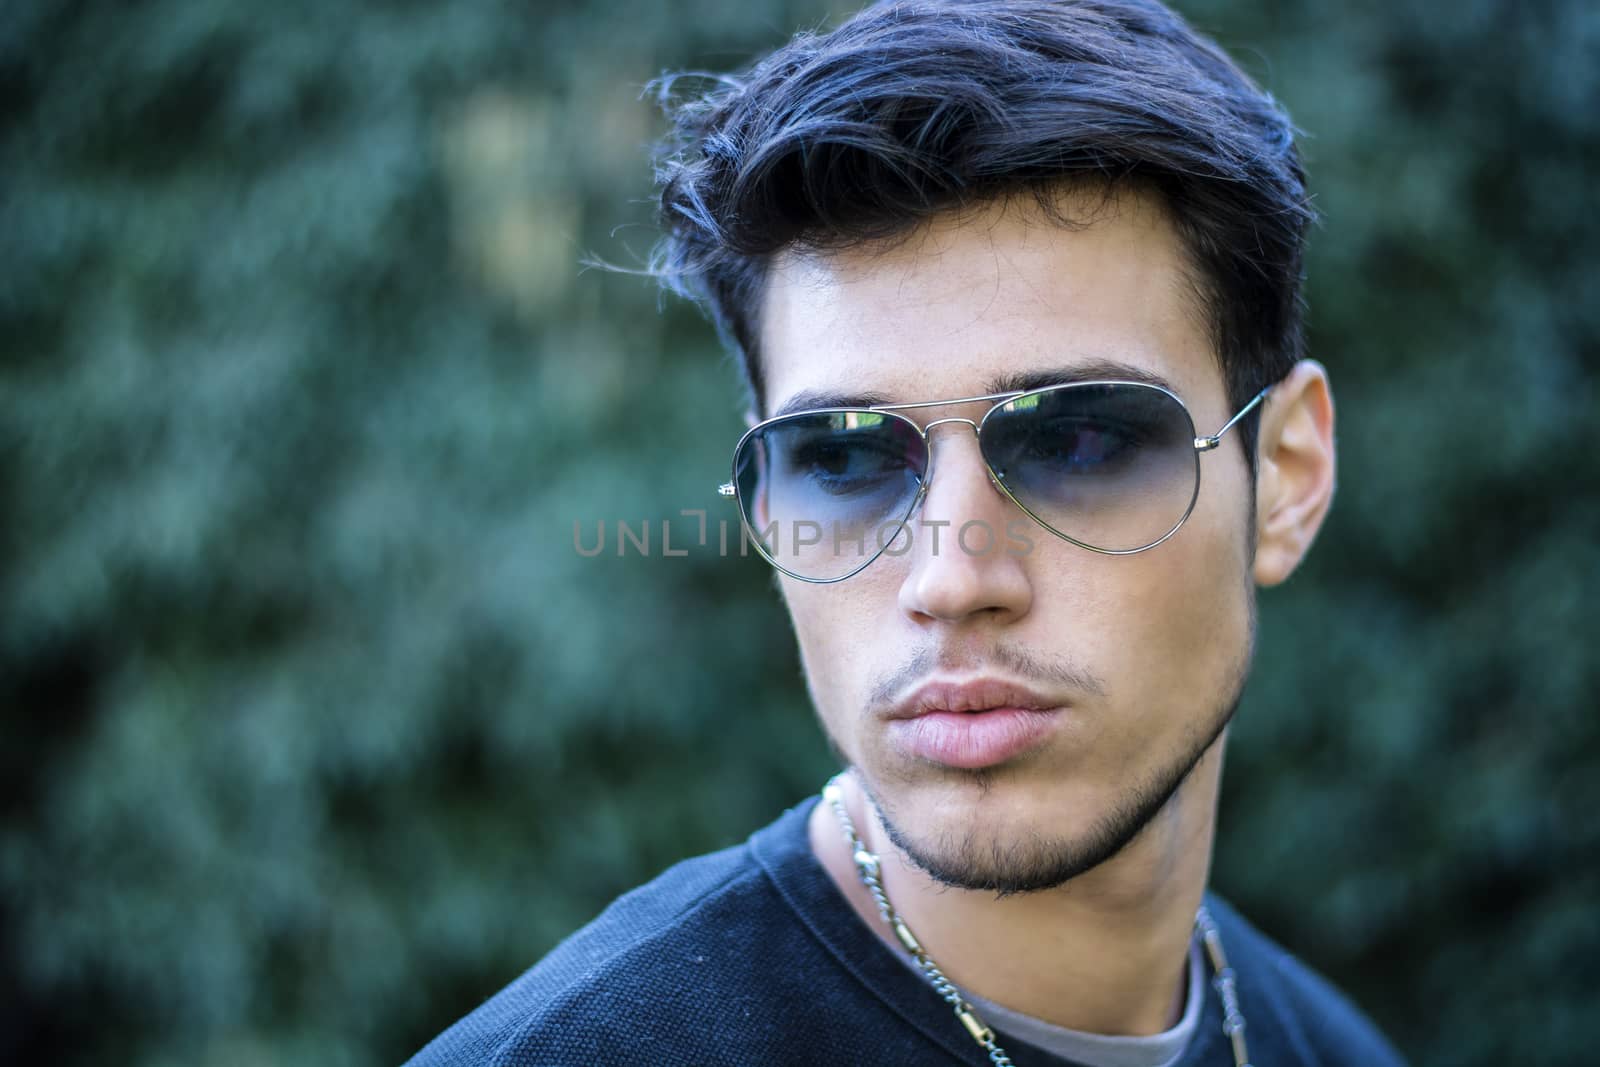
317	728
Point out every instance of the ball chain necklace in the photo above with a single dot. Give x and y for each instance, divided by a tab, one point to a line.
868	867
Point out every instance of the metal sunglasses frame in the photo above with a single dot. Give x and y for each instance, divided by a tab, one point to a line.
1202	445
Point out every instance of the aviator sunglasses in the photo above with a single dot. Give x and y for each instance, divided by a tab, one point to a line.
1111	466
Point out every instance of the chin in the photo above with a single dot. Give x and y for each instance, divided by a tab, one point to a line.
1005	863
1005	832
993	831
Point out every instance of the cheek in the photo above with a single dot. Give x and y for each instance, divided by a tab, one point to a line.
1180	614
831	640
851	638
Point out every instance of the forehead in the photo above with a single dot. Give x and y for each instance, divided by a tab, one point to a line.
992	295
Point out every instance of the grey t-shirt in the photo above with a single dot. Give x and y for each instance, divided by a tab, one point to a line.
1099	1050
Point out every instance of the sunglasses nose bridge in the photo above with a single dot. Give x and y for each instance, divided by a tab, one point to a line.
977	434
926	430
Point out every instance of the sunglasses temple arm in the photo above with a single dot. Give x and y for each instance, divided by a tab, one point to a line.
1206	444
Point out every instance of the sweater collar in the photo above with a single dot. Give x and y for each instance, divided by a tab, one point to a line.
783	849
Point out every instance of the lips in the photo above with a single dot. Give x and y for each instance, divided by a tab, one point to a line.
973	724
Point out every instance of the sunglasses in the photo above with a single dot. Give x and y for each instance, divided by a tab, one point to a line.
1111	466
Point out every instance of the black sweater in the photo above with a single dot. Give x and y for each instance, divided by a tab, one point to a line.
752	957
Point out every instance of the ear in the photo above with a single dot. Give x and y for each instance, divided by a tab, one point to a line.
1295	471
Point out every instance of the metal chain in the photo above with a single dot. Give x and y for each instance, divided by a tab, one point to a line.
868	867
1225	984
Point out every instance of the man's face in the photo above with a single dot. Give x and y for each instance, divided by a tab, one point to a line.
1142	657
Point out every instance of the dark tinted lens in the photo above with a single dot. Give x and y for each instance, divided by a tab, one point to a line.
825	492
1113	466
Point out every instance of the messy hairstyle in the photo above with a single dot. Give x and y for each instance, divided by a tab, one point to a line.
914	108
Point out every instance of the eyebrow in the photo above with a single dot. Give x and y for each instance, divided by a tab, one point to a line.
1090	371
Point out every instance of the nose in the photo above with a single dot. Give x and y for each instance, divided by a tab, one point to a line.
964	562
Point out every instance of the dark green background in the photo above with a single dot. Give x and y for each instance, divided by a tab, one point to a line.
317	729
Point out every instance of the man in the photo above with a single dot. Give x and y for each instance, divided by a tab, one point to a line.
1023	274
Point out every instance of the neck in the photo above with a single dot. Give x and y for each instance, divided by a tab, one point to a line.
1105	953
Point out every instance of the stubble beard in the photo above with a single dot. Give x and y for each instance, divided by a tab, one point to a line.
969	860
1039	864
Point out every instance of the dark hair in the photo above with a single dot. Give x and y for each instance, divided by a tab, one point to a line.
914	108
